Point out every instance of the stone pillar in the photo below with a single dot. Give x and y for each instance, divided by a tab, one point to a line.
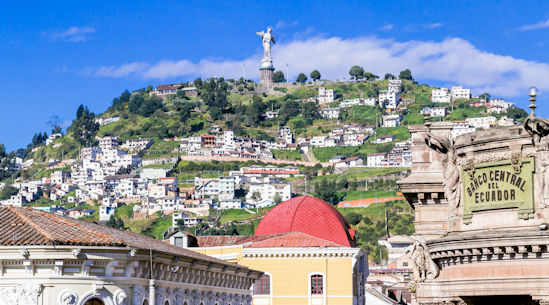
266	76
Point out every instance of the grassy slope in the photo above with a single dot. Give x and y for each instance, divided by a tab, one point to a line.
286	154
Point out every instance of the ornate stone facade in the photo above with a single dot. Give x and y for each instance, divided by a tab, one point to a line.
481	206
106	266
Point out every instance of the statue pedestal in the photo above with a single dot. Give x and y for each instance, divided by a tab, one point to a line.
266	76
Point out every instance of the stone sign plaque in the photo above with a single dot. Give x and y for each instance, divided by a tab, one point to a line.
498	185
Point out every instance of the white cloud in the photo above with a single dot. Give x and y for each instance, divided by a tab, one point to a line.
283	24
116	71
388	27
540	25
73	34
451	61
434	25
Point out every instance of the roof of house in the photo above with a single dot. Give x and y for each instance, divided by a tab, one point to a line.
24	226
129	176
169	87
291	240
288	239
309	215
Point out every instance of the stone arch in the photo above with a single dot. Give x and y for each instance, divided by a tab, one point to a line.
94	301
101	294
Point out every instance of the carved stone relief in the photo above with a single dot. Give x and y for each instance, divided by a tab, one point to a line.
120	297
21	294
68	298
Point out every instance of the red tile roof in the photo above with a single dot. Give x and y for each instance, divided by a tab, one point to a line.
289	239
24	226
169	87
218	240
309	215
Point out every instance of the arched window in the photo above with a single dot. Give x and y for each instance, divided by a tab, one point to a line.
317	284
166	303
263	285
145	302
94	301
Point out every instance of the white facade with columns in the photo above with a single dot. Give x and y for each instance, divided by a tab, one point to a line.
117	274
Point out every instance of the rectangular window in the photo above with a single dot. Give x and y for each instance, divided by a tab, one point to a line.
263	285
178	241
317	284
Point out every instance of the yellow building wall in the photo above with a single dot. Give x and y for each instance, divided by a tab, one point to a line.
290	278
218	251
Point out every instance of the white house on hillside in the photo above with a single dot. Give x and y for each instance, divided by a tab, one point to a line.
441	95
458	93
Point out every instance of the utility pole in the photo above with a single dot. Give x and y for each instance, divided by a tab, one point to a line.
244	71
287	74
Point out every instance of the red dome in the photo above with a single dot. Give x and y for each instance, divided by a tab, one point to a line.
308	215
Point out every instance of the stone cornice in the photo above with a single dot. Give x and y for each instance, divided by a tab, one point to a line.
78	265
490	245
301	252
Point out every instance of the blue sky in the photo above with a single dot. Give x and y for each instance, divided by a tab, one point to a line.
56	56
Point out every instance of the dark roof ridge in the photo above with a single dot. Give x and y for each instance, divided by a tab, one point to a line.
297	208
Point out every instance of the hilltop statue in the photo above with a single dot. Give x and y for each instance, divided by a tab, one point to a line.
267	38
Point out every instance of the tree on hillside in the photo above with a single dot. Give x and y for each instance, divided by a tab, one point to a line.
516	113
79	111
198	83
326	191
144	104
254	113
7	191
119	102
370	76
301	78
354	218
389	76
278	77
84	126
357	72
288	110
315	75
485	96
309	111
406	74
117	223
214	93
55	123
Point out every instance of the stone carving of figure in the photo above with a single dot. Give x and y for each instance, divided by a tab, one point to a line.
120	297
267	38
21	294
451	184
68	298
538	128
424	267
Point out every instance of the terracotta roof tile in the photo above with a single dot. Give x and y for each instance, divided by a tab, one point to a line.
218	240
289	239
309	215
24	226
